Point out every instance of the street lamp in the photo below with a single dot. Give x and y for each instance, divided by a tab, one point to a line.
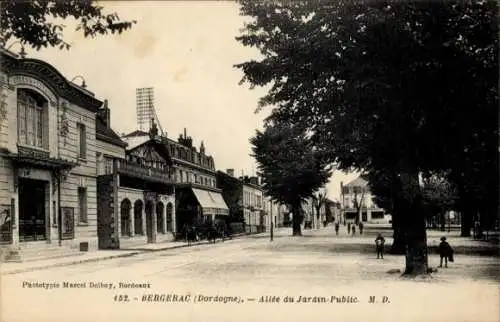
22	53
83	81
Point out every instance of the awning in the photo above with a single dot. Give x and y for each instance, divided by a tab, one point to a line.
211	202
40	161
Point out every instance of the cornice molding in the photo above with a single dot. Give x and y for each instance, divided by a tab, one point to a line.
52	78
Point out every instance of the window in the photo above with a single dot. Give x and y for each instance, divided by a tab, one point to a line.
82	205
108	164
181	176
195	178
82	135
32	127
98	163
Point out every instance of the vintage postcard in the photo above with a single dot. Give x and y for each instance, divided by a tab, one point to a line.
249	161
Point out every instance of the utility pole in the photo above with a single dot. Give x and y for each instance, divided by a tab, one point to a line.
272	219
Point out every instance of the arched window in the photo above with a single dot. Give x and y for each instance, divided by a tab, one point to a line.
159	217
125	217
138	207
32	127
169	216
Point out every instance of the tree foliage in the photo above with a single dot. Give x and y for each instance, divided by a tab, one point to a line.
291	169
33	22
392	87
338	68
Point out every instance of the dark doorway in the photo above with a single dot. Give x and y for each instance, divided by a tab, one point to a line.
32	210
138	218
125	217
364	216
159	218
149	220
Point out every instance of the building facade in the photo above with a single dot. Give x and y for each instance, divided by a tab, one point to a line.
197	198
47	162
245	199
253	205
275	213
357	203
136	193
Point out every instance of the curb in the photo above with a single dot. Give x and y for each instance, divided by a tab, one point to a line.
97	259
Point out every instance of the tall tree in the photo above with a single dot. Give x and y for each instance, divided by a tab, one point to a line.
291	169
35	24
359	202
319	201
381	84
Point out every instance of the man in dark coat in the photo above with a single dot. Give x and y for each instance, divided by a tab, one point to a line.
445	252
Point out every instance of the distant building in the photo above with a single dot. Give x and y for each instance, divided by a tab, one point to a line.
245	199
357	201
333	211
311	217
275	213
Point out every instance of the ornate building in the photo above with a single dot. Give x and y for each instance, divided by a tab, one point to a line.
47	160
197	197
135	189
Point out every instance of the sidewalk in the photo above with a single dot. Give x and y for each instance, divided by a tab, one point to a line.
8	268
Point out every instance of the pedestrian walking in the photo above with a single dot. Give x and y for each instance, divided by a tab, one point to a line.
349	228
361	228
445	252
379	244
353	230
337	228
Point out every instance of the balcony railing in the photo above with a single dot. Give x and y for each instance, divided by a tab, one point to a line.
363	209
135	170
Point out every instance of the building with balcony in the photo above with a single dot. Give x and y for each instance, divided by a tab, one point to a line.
357	202
136	190
47	160
197	197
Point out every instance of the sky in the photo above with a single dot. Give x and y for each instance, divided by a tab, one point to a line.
186	50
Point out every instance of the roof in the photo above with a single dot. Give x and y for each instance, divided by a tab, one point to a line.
136	133
358	182
50	77
105	133
135	141
160	147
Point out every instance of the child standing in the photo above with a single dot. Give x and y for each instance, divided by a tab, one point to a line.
445	252
379	243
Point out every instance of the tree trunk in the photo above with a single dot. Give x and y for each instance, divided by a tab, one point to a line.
467	224
296	220
442	219
413	225
398	243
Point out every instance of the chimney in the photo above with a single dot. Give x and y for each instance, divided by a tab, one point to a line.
185	133
230	172
104	113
